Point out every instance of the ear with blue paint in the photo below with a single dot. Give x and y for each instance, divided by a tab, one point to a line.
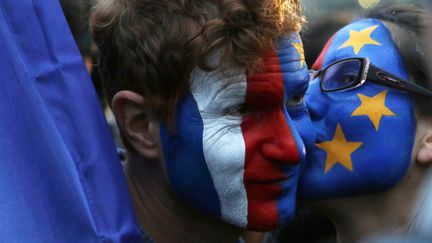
134	118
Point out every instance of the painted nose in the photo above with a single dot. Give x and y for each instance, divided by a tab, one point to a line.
286	145
314	102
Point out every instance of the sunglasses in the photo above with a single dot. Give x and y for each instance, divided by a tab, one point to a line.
351	73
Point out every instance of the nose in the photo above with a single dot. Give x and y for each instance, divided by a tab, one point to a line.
285	145
315	103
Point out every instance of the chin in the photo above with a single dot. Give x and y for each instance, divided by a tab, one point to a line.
263	219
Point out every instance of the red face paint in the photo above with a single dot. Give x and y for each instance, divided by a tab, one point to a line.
270	145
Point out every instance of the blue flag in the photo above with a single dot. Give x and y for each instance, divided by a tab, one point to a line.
60	178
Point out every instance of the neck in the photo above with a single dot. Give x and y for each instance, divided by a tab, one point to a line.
163	215
358	218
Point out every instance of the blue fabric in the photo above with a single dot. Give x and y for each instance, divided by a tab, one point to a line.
354	155
60	178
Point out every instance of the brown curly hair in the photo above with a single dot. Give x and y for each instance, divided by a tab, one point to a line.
151	46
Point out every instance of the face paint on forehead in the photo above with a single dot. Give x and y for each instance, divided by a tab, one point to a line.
364	136
293	65
216	92
287	62
367	38
234	162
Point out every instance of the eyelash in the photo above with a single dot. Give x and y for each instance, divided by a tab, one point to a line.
294	101
246	109
239	110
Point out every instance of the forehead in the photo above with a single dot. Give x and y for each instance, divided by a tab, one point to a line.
292	64
218	89
285	67
218	85
282	70
366	38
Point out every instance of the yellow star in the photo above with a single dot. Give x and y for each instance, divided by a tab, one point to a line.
373	107
358	39
300	51
339	150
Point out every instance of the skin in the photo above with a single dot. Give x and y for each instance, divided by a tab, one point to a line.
167	187
372	119
363	208
163	215
393	211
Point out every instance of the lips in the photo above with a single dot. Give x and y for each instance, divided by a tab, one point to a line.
265	172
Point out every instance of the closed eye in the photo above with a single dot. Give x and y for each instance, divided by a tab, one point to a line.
294	101
239	110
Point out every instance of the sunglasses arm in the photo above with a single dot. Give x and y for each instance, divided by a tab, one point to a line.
381	77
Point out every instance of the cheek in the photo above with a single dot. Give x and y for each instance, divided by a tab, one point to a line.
337	107
205	162
185	160
272	156
316	102
225	151
380	137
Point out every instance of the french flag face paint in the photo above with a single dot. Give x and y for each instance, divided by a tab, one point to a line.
235	152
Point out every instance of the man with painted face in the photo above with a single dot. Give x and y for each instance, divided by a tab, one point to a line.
370	103
197	88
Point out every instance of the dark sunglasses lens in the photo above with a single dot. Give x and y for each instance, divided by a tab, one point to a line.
341	75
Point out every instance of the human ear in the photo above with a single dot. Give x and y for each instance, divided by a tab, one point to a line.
424	155
133	115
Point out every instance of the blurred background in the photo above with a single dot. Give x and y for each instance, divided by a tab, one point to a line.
314	8
324	18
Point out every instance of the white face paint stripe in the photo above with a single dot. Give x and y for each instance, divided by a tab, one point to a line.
223	142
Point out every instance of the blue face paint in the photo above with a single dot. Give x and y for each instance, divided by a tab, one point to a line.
364	136
235	152
295	76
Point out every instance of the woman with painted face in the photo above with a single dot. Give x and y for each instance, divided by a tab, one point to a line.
370	102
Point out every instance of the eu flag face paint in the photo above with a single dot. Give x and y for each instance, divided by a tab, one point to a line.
364	136
235	152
